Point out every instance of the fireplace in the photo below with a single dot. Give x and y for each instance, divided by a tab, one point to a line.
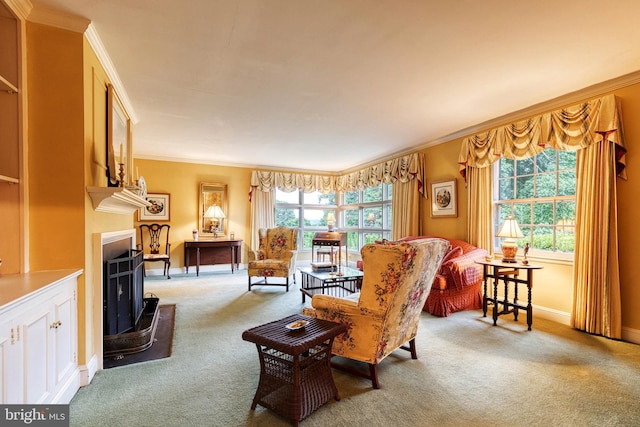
123	292
129	319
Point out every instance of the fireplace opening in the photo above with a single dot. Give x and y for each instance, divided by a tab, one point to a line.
129	318
123	292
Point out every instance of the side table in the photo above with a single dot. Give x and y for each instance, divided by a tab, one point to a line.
210	252
295	365
509	273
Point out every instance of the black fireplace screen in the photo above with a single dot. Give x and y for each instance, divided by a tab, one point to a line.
123	292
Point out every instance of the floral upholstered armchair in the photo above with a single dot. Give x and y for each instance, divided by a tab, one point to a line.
385	314
275	257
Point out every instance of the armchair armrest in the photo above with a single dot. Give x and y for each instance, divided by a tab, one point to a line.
256	255
464	271
346	306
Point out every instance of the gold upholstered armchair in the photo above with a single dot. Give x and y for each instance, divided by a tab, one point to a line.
385	314
275	257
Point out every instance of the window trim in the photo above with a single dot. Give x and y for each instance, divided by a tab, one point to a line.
558	257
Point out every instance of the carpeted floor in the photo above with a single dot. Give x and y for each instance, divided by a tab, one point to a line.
469	372
161	347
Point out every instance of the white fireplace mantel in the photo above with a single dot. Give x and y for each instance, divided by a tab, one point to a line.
116	200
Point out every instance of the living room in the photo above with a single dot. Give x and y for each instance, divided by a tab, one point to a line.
63	125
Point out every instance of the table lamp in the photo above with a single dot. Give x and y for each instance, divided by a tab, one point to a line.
215	213
331	219
509	231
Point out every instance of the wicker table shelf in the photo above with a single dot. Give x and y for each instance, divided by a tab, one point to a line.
295	365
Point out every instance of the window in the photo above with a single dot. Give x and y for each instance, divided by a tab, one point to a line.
365	215
306	211
540	193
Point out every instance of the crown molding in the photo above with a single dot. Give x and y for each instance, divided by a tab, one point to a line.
57	19
103	56
84	26
22	8
570	98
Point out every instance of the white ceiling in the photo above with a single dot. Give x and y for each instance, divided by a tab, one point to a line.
328	85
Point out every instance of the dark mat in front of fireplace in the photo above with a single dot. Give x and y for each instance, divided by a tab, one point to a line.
161	348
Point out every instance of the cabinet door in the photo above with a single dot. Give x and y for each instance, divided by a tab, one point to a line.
64	337
36	350
11	381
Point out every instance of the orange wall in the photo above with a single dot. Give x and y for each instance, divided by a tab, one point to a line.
182	182
55	148
554	284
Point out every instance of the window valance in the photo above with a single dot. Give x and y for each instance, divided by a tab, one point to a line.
403	169
570	128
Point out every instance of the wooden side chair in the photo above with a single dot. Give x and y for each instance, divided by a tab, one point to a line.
154	242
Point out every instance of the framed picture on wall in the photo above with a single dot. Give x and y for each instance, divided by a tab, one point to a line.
159	209
444	199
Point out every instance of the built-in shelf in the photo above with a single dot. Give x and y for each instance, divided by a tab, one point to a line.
7	86
4	178
116	200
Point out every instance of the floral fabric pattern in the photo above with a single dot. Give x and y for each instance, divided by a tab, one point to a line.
385	313
276	254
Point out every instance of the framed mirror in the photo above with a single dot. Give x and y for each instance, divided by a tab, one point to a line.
213	209
119	150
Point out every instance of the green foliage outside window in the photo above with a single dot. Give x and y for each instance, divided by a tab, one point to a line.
540	193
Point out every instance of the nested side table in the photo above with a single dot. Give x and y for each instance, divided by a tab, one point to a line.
508	273
295	365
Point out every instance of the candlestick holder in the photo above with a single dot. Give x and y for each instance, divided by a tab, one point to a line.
121	174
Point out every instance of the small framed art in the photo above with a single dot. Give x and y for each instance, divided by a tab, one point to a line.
444	199
159	209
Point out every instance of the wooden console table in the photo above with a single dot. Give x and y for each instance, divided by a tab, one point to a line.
508	273
209	252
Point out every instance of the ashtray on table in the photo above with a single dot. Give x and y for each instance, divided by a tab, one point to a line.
298	324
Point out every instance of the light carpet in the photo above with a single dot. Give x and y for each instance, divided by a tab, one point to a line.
469	372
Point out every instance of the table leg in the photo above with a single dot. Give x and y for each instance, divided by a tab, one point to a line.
515	300
529	307
233	252
186	258
197	261
485	297
496	279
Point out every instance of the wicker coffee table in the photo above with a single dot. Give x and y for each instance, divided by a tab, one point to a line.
295	365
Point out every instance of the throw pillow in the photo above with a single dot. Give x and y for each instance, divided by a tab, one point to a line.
448	259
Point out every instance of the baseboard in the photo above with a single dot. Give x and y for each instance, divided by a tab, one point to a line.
68	390
628	334
631	335
551	314
88	371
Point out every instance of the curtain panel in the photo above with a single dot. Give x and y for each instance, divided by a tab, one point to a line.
570	128
402	169
595	129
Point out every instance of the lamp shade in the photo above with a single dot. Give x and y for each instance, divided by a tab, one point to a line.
509	230
331	217
214	211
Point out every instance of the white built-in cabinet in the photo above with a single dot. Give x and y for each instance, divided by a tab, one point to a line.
38	337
